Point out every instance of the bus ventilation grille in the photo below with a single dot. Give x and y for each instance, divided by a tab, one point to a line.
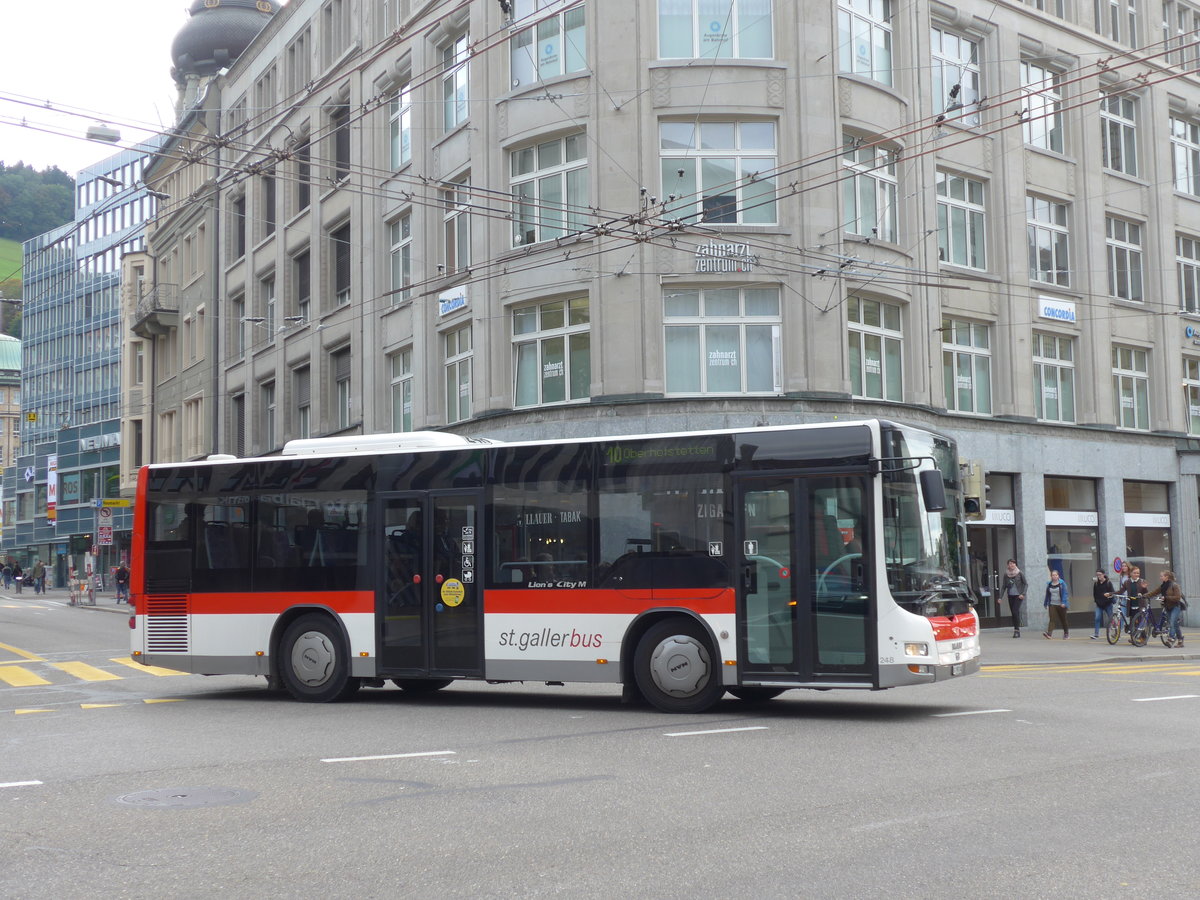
167	624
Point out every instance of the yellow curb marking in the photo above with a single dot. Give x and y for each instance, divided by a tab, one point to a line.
84	672
25	654
138	667
20	677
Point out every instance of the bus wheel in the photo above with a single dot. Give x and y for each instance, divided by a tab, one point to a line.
422	685
314	665
675	667
755	694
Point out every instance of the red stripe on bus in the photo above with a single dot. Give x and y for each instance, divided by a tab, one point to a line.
276	602
946	628
606	602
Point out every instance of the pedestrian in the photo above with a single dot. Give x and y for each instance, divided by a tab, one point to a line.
1103	591
39	577
121	576
18	576
1014	588
1173	604
1057	602
8	575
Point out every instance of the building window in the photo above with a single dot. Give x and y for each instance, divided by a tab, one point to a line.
1118	133
869	191
865	38
550	189
1124	244
302	396
1185	155
302	279
556	45
298	66
1054	7
1191	393
1054	377
723	341
237	326
875	344
239	226
339	365
967	366
1187	262
266	400
454	83
303	176
1131	388
1181	23
339	250
335	30
691	29
268	198
719	172
551	353
339	126
1073	550
1042	100
457	345
1048	237
402	390
456	221
266	288
400	125
237	423
955	76
1148	525
1118	20
961	221
139	362
400	237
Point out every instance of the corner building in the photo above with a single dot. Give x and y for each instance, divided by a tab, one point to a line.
658	215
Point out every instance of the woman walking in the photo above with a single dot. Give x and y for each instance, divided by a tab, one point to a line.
1102	593
1057	602
1014	587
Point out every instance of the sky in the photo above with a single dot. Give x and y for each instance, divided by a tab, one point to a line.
108	60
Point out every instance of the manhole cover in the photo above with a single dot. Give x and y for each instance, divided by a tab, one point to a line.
186	797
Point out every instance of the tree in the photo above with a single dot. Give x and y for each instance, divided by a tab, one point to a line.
33	202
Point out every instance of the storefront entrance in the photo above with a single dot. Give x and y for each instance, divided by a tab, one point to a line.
989	549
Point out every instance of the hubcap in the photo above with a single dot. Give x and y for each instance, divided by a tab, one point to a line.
680	666
313	658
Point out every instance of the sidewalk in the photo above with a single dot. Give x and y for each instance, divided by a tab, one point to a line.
999	647
106	601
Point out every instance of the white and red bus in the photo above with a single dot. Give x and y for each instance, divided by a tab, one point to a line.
679	566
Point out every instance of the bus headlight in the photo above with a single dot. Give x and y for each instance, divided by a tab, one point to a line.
916	649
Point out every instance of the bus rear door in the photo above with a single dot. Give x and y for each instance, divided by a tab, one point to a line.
429	606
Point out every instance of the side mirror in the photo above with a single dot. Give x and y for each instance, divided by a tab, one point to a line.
933	490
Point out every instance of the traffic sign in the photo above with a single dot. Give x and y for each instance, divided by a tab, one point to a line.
106	535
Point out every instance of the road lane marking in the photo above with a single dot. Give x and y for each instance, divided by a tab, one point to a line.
24	712
24	654
714	731
99	705
972	712
337	759
1152	699
165	699
20	677
19	784
138	667
84	672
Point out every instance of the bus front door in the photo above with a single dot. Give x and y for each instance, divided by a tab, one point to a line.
803	609
429	609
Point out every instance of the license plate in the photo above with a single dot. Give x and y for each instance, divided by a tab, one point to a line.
956	669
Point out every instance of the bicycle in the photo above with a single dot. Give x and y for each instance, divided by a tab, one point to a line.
1117	622
1145	624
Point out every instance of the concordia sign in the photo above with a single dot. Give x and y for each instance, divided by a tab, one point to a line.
1059	310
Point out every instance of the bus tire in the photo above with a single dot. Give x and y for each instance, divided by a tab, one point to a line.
422	685
314	663
675	667
755	694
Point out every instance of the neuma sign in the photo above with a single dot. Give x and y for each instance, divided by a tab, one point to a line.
1059	310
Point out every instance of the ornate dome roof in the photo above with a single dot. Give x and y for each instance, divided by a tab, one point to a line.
216	34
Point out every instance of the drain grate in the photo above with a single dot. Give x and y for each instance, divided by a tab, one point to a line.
186	797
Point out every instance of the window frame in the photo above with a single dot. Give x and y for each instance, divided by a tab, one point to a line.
873	183
1126	259
573	333
533	217
1063	368
1043	124
687	195
400	240
891	375
457	362
1118	133
1185	155
1188	273
1133	384
1191	393
400	113
401	388
944	65
967	355
731	36
562	21
456	98
1041	215
974	220
874	19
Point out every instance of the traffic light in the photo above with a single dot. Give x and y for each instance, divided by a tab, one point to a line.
974	488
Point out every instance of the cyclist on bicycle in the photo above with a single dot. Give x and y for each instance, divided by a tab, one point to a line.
1171	595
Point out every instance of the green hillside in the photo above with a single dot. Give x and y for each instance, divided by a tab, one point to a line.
10	259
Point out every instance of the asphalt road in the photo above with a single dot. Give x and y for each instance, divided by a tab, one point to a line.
1032	779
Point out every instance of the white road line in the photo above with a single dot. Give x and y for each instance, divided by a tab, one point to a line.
973	712
1176	697
19	784
714	731
390	756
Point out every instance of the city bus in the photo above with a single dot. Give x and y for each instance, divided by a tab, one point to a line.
676	566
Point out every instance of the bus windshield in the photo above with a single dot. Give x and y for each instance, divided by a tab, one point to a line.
923	551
